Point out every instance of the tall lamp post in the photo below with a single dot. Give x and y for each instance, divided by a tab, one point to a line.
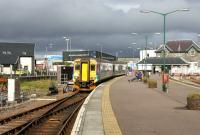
117	53
154	43
132	47
164	29
46	51
101	47
67	39
198	36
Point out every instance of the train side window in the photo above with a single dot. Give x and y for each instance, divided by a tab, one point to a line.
77	67
92	67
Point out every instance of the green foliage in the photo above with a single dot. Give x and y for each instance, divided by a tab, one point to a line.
14	68
42	84
194	96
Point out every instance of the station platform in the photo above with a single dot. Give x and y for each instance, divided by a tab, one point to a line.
119	107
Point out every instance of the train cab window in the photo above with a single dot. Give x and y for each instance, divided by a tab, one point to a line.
77	67
92	67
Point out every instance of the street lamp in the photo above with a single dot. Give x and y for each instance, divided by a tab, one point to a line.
164	28
154	43
117	53
198	36
134	33
46	58
132	47
101	47
67	39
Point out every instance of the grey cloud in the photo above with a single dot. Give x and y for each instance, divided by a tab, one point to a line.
92	21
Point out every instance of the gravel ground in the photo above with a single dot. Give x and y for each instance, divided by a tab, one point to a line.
32	103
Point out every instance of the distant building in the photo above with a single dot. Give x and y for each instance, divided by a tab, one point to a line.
71	55
19	56
131	62
147	54
128	59
186	49
156	64
47	64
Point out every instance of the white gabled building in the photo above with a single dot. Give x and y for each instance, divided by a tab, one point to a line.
17	56
147	54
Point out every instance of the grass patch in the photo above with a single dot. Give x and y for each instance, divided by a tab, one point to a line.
42	84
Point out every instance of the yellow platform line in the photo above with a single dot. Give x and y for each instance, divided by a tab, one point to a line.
110	123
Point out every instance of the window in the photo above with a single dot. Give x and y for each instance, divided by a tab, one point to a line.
77	67
6	52
9	52
192	53
92	67
24	53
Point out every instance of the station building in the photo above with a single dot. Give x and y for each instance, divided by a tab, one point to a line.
16	56
155	64
72	55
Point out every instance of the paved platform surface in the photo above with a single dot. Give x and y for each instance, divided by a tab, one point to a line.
143	111
96	116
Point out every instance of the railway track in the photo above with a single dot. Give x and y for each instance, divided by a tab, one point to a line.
52	118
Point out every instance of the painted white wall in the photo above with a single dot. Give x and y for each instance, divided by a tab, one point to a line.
144	53
145	67
6	70
192	69
26	61
39	61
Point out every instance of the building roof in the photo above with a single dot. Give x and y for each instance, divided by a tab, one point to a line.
179	46
10	52
160	61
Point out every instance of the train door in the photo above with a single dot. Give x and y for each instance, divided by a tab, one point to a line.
113	69
93	70
84	71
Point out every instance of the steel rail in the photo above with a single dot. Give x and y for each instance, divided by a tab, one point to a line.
20	123
63	129
51	113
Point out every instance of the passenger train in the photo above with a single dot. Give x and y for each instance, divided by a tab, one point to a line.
89	71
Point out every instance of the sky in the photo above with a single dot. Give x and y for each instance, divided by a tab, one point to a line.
92	24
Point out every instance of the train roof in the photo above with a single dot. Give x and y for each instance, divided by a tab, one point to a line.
101	60
97	59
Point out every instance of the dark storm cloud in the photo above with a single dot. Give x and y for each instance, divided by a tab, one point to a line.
89	22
